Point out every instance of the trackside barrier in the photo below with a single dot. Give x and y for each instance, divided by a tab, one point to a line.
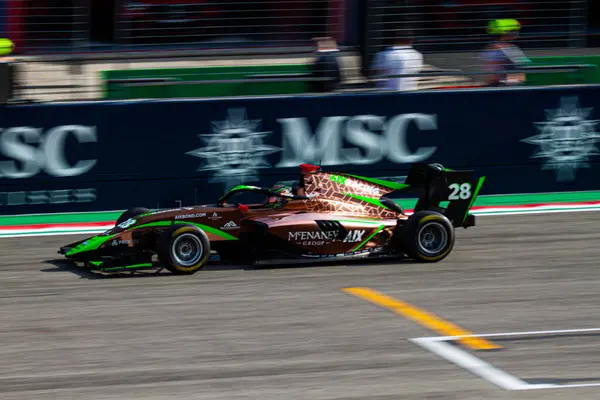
112	155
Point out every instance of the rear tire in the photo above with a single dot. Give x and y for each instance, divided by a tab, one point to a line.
183	249
132	212
427	236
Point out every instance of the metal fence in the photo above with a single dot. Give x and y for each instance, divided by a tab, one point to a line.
460	25
67	45
51	26
44	26
457	28
214	24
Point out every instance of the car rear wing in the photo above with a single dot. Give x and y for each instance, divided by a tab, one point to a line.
437	185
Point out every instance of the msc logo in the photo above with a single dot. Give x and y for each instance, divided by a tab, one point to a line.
26	151
235	151
354	236
567	140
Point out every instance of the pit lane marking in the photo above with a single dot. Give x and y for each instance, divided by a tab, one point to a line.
423	318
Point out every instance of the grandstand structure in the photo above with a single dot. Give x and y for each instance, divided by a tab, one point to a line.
102	49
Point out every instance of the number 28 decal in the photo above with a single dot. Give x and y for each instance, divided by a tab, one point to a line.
460	192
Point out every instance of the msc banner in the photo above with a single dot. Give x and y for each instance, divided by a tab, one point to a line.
157	154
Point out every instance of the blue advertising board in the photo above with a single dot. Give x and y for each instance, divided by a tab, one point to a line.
158	154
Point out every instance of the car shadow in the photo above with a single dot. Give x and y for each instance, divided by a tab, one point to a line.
350	263
62	265
87	273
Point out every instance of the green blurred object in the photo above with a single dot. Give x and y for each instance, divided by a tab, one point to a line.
588	75
501	26
117	91
6	46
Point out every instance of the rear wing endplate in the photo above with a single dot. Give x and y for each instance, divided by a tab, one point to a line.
438	184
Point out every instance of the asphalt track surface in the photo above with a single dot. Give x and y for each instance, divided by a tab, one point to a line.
292	333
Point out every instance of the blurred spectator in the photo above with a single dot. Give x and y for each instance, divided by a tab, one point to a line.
501	56
326	65
400	58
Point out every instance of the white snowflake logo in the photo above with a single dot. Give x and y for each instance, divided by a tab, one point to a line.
235	150
567	140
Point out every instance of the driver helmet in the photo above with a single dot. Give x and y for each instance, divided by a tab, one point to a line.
274	201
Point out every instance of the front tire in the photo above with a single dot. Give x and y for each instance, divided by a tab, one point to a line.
427	236
183	249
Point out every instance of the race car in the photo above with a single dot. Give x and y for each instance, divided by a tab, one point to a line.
326	216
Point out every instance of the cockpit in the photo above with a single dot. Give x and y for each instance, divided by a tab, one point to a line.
258	197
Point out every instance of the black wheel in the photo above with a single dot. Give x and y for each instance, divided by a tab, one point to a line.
132	212
183	249
427	236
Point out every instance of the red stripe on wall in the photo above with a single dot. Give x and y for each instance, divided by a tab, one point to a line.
337	14
15	21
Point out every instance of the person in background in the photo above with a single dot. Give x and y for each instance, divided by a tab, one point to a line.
326	65
502	56
400	58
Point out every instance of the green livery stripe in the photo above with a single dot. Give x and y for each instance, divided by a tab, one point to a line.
369	238
134	266
239	188
388	184
477	189
92	244
375	202
206	228
153	224
360	221
243	187
96	241
215	231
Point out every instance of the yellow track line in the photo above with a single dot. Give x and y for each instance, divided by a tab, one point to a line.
422	317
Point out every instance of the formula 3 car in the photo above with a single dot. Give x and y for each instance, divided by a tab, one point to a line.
328	216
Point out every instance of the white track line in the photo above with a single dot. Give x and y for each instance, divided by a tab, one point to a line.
438	345
98	228
534	212
473	364
526	333
38	234
574	385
